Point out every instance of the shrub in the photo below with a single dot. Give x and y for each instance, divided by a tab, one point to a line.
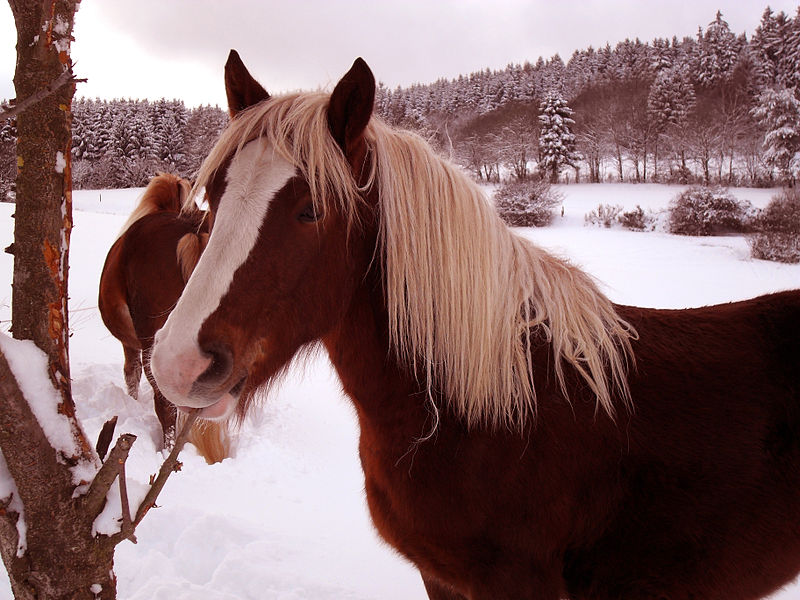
605	215
637	219
777	246
702	210
527	203
777	228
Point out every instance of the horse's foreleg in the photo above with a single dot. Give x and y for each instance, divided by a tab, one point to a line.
132	370
439	591
165	410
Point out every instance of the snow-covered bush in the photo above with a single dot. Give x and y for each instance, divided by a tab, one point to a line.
527	203
702	210
637	219
605	215
777	228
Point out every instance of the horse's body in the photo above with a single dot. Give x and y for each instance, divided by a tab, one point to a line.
694	495
143	277
588	476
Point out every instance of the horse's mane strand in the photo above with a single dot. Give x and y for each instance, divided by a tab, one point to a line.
165	193
463	291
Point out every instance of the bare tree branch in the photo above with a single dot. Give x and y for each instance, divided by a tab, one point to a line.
127	524
96	496
66	77
169	466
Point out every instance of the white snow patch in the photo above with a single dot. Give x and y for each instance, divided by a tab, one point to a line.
29	365
61	162
109	521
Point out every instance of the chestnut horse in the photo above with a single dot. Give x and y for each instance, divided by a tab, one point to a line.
521	435
143	276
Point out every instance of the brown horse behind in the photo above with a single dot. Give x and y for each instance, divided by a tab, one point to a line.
143	277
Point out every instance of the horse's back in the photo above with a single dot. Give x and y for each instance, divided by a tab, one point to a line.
751	343
154	274
709	468
142	273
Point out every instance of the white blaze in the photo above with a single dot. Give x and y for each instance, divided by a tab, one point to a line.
254	176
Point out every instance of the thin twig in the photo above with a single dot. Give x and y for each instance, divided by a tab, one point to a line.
59	82
170	465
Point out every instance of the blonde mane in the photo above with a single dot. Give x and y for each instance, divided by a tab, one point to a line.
164	192
463	291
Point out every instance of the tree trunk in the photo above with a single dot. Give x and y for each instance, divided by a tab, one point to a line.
43	217
63	560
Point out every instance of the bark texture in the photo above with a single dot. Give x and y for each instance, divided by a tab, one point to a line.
63	560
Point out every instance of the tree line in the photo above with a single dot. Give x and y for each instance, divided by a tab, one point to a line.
123	143
680	110
715	107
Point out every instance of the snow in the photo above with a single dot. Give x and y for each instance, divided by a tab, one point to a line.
61	163
285	517
29	365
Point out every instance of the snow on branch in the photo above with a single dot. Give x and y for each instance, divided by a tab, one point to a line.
29	366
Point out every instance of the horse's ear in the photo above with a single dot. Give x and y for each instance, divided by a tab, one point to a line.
242	90
350	110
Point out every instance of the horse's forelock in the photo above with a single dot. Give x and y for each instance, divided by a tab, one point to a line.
295	127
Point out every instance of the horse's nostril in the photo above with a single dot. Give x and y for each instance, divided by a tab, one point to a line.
221	364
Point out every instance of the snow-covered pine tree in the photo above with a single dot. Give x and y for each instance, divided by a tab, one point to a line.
203	127
669	103
556	140
778	111
789	65
168	119
766	46
719	52
671	98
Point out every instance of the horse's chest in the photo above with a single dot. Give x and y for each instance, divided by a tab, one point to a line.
444	511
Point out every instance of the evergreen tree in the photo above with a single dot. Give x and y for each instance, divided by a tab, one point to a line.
203	127
778	111
169	119
789	64
766	46
671	98
669	103
556	140
719	52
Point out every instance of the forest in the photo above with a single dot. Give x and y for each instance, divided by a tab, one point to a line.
714	108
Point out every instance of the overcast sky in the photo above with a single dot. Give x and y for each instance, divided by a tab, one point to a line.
177	48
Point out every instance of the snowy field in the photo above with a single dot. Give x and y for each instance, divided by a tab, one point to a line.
285	518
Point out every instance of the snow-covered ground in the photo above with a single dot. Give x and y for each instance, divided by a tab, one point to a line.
285	518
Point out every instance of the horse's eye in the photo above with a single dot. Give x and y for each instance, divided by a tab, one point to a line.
310	214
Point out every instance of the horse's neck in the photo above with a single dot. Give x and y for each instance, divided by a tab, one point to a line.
389	401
